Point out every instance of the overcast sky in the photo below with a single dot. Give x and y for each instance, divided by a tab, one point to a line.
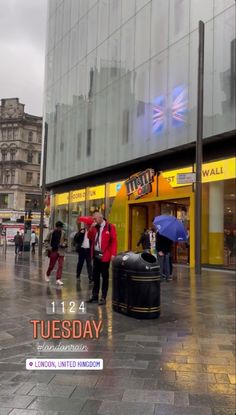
22	48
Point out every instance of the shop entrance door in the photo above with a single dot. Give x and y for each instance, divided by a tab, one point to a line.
141	216
179	209
138	222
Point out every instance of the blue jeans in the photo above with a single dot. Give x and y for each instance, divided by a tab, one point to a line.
164	262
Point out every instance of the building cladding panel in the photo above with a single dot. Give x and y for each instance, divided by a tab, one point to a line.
121	79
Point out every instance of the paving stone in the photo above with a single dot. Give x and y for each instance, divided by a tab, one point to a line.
181	399
199	400
19	402
222	388
9	389
221	369
116	381
91	407
196	377
4	411
157	396
125	408
223	411
86	380
109	393
52	390
57	404
232	379
221	378
129	364
171	410
32	412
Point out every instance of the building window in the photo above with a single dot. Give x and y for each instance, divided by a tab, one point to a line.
4	133
39	158
30	157
7	177
12	153
30	136
15	130
29	177
4	155
10	133
3	201
125	127
38	179
13	173
89	142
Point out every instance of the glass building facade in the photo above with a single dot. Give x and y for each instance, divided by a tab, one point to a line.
121	79
121	86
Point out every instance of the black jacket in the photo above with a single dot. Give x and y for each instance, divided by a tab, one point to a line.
79	239
145	241
163	244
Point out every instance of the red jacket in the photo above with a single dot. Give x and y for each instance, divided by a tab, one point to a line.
108	241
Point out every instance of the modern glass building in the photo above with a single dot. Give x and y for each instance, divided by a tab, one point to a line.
121	98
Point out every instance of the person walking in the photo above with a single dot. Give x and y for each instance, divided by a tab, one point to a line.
55	244
163	247
33	242
17	242
82	246
103	249
145	240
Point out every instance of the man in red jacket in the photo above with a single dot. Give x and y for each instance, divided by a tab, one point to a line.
103	248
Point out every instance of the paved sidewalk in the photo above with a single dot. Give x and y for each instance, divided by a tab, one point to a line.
180	364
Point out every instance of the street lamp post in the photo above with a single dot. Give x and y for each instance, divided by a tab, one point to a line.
198	189
44	162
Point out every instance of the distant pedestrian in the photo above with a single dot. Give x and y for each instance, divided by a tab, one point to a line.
82	247
145	240
33	242
104	248
55	244
163	247
17	242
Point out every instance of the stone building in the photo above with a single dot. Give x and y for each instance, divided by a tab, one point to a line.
20	158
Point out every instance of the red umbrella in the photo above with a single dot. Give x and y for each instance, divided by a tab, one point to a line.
88	220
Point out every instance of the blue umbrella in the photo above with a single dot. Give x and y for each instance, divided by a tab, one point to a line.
170	227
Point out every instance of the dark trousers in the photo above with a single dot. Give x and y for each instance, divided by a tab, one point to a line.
100	268
84	254
33	247
17	248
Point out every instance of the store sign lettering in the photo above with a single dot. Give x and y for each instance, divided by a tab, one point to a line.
140	184
211	172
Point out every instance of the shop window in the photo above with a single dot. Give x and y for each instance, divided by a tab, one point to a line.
29	177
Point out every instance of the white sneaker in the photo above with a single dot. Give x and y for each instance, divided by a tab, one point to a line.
47	279
59	282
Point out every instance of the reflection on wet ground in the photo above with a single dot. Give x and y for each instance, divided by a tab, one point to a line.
180	364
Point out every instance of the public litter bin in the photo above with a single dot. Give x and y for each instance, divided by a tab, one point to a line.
136	285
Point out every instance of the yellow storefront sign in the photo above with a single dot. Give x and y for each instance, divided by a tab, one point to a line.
211	172
61	199
77	196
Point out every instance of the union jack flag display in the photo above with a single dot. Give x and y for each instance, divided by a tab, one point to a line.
177	114
179	105
158	114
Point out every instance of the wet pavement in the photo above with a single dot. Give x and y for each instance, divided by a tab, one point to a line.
180	364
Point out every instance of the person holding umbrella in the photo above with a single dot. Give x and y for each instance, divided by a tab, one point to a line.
83	248
169	230
163	248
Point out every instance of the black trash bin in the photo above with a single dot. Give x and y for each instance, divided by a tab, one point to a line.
136	285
